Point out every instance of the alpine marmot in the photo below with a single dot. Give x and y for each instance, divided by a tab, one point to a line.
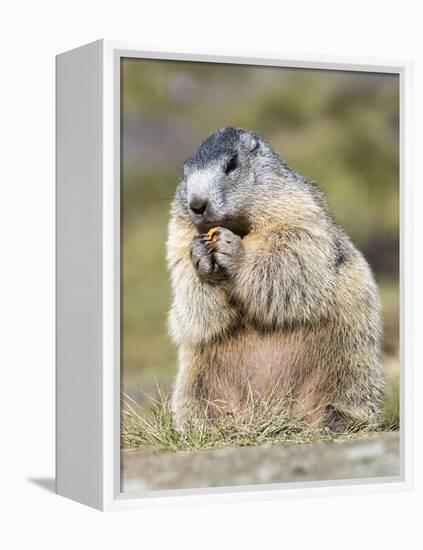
275	303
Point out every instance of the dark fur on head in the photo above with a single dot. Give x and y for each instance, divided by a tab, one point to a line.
230	165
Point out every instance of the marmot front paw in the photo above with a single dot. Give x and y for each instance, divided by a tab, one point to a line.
227	249
204	262
216	255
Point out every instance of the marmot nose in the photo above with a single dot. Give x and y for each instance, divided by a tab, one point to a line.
198	206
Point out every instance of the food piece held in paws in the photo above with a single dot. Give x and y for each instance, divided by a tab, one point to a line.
211	237
211	233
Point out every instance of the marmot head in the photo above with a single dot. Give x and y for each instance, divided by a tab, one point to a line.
233	180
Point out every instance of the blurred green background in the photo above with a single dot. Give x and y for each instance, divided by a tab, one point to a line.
340	129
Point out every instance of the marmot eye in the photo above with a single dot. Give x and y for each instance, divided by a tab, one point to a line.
232	164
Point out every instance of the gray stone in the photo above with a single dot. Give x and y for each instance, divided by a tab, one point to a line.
145	469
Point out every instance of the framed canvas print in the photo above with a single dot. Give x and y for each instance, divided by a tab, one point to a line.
231	294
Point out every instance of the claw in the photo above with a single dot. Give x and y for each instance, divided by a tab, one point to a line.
209	243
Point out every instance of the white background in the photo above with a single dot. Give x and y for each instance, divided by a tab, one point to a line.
31	33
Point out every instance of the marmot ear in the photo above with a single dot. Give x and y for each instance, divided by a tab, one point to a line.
250	142
254	144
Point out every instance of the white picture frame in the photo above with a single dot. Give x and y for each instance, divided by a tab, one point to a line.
88	278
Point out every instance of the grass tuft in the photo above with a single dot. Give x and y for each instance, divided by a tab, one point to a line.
154	427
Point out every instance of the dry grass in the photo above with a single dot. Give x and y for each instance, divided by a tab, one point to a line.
154	427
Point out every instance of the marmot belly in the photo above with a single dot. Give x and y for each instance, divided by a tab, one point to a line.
252	367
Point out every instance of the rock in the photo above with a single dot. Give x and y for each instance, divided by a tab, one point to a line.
145	469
